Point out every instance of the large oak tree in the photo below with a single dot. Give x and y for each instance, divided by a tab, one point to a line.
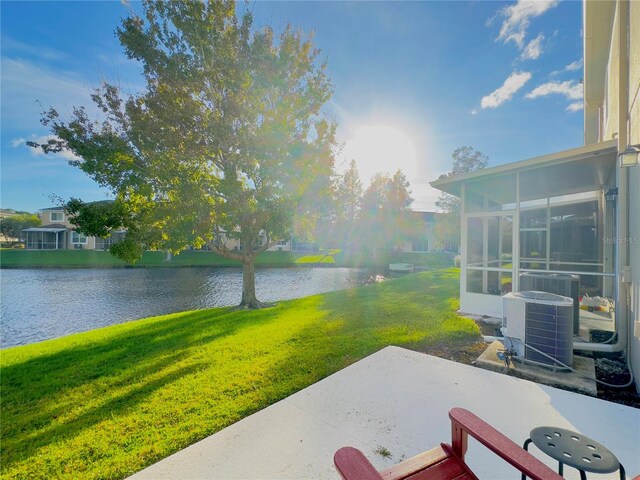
226	140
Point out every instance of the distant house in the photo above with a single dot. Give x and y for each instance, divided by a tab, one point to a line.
57	233
420	236
291	244
424	240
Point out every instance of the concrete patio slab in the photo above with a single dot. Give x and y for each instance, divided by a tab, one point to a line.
398	400
583	380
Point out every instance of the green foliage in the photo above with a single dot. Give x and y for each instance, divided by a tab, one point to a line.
383	452
347	203
465	160
226	138
447	230
11	227
383	218
371	218
106	403
349	193
97	218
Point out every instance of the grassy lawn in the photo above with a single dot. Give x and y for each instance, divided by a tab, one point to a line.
59	258
90	258
87	258
363	259
106	403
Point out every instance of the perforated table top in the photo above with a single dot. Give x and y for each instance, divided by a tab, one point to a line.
574	449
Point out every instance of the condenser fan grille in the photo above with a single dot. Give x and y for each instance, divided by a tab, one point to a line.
548	329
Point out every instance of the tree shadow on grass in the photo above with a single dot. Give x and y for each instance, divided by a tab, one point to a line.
44	374
18	448
126	366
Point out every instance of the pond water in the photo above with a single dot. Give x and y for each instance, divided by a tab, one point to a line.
47	303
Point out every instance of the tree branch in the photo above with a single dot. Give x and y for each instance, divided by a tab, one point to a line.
221	249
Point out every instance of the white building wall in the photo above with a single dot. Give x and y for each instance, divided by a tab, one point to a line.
60	217
480	303
614	99
634	261
281	247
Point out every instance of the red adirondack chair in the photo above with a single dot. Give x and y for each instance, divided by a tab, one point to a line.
446	462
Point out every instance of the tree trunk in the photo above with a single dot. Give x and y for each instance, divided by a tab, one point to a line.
169	256
249	299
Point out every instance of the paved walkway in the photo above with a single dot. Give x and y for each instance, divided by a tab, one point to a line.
398	400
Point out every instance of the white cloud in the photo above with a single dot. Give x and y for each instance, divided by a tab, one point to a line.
575	106
511	85
571	89
518	18
19	142
14	48
572	67
533	49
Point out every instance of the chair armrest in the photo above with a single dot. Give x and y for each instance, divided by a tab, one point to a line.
464	422
353	465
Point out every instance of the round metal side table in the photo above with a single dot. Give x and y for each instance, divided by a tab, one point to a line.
574	449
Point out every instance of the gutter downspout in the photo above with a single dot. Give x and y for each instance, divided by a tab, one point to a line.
623	177
622	208
623	189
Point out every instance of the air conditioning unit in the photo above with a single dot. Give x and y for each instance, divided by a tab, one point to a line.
558	283
538	327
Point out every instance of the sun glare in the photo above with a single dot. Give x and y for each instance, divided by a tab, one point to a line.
380	148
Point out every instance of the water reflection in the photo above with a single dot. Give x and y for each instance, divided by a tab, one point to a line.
41	304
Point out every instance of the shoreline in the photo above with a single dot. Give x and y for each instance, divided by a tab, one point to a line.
73	259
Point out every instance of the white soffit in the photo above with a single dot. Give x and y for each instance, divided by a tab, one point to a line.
44	229
598	25
592	172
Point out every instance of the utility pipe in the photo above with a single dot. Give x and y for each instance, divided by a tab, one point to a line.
623	175
600	347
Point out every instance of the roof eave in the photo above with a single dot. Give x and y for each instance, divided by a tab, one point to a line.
452	184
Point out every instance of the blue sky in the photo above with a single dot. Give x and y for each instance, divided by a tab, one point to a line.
413	81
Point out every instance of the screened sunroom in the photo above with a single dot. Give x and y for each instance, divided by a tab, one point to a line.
548	215
45	238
